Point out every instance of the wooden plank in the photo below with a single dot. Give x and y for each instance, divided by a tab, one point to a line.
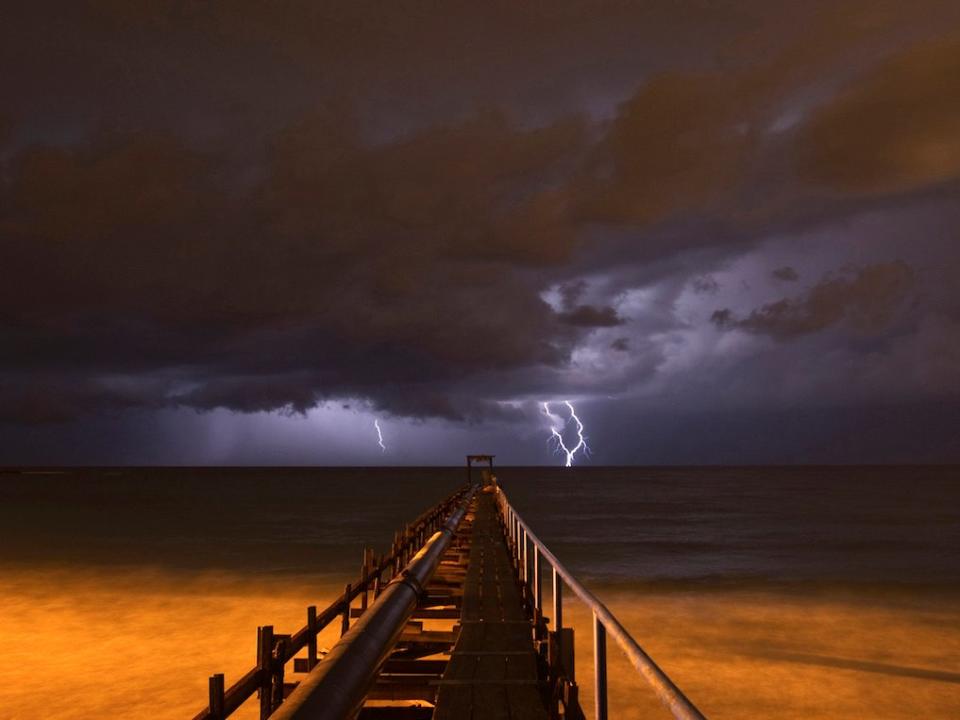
492	673
490	702
415	667
490	668
430	636
524	701
461	667
457	704
433	613
390	688
396	712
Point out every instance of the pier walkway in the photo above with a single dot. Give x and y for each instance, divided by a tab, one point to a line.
492	672
448	625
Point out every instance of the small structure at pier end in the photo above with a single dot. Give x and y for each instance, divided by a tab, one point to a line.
472	565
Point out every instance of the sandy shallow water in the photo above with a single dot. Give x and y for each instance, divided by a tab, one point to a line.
137	643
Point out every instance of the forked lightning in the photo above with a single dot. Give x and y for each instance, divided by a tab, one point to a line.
376	424
557	424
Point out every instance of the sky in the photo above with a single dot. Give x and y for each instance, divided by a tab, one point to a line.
241	233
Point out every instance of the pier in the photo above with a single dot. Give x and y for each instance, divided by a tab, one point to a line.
472	566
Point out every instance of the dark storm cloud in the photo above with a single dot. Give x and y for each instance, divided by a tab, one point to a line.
786	273
674	146
590	316
893	129
571	292
46	398
347	268
867	298
705	284
260	208
6	125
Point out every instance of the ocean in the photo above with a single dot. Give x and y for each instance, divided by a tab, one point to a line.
773	592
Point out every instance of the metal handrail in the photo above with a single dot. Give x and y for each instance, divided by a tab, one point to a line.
604	622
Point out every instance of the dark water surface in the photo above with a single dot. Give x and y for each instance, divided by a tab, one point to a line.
686	526
776	593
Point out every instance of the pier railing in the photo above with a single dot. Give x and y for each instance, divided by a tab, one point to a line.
528	550
336	690
275	650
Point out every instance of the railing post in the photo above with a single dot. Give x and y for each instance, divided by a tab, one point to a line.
526	568
558	611
537	584
364	578
379	565
599	669
264	666
516	542
519	545
278	655
216	697
312	637
396	554
345	619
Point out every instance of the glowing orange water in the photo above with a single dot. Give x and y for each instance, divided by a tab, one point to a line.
82	643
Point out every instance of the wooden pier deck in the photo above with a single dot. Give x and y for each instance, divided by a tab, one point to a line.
472	569
492	672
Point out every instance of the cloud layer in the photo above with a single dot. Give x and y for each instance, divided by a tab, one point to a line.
446	216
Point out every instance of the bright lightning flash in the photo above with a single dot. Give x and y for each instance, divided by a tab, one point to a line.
376	424
557	424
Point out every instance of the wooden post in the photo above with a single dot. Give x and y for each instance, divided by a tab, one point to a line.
599	669
568	655
216	697
345	618
312	637
516	540
396	553
558	611
520	532
278	655
364	578
526	568
264	662
537	585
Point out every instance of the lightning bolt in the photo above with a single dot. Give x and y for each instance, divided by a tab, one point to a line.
557	424
376	424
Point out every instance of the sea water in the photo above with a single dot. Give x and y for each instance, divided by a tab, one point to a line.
764	592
